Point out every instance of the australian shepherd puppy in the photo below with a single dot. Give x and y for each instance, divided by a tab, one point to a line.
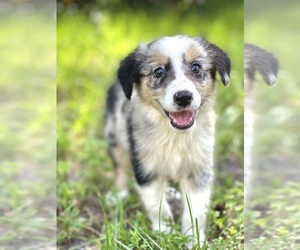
160	120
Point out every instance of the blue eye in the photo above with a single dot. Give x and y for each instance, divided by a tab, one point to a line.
159	72
196	69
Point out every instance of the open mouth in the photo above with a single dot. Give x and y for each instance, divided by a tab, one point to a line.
182	119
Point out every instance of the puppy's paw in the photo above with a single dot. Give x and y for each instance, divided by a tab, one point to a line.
173	194
112	198
162	226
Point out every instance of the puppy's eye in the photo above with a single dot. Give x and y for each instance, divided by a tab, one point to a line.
196	69
159	72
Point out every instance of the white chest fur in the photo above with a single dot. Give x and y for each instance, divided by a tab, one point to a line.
175	154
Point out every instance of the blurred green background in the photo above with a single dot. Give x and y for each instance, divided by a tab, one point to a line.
27	126
92	38
274	210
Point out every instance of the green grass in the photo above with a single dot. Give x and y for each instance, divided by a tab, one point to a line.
88	55
273	222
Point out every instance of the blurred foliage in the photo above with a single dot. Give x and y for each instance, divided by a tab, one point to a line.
279	104
272	220
27	131
152	5
273	223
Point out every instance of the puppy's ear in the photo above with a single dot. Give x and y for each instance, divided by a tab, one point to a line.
221	63
128	72
258	59
219	58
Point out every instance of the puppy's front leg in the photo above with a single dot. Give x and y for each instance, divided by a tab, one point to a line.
196	191
154	199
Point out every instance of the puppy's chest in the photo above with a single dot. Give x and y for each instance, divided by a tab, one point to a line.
175	154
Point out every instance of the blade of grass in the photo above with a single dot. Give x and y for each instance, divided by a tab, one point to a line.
197	232
120	243
155	243
190	213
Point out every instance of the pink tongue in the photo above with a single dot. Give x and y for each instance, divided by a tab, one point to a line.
182	118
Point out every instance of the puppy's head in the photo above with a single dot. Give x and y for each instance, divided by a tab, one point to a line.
175	75
260	60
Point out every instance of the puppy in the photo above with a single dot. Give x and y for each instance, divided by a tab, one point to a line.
255	60
160	120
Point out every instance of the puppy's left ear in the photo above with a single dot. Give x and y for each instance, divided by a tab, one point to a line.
220	60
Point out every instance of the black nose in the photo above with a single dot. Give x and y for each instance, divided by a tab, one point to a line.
183	98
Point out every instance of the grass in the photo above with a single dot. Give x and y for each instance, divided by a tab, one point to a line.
88	55
126	225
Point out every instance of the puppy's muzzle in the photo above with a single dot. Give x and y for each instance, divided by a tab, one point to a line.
183	98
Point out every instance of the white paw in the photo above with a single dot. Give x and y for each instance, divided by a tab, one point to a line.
172	194
163	227
112	198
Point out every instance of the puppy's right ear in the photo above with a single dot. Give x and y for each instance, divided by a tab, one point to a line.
219	58
128	72
258	59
